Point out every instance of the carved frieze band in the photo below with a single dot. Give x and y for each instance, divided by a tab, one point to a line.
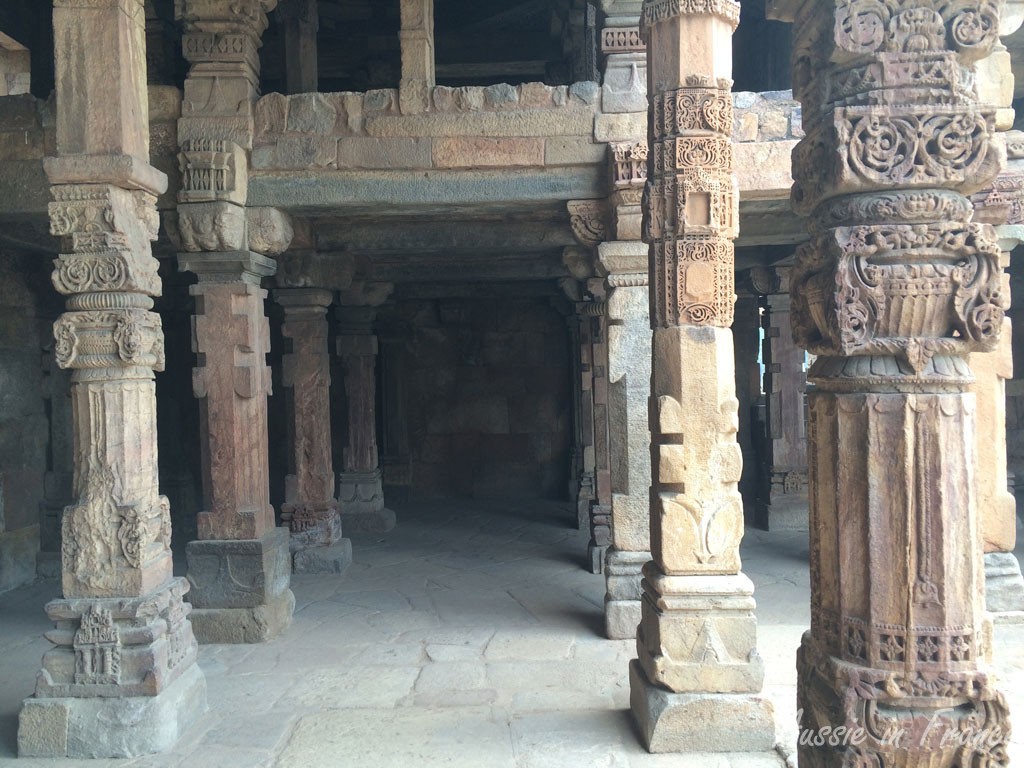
622	40
629	164
658	11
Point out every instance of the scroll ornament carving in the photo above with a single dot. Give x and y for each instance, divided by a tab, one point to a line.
885	26
589	222
109	339
107	231
702	105
856	296
242	15
873	149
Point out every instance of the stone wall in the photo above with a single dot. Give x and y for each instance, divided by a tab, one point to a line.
487	399
24	427
499	126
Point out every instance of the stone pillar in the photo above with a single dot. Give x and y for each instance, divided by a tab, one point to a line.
1002	205
310	510
782	492
586	495
417	40
360	487
697	641
121	679
894	289
596	311
624	87
301	21
240	567
58	484
629	376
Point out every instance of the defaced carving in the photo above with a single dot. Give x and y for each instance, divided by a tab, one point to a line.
217	226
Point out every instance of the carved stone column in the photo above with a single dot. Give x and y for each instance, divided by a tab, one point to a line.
586	494
417	40
782	492
360	488
895	288
121	679
310	509
697	640
240	567
596	312
629	377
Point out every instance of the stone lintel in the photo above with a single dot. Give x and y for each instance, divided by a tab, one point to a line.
228	266
693	722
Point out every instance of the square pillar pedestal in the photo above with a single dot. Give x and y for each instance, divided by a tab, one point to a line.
361	495
240	588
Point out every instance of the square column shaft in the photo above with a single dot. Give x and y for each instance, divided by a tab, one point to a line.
698	666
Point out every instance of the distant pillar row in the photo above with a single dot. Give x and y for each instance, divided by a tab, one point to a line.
896	287
310	511
360	484
698	666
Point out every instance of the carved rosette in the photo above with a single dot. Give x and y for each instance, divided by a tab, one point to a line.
898	283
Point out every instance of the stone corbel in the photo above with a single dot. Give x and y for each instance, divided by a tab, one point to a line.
589	220
270	230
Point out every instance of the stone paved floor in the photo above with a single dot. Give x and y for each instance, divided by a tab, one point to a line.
469	637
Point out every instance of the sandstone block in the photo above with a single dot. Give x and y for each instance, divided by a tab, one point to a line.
334	559
571	150
244	625
311	113
626	126
675	722
526	123
480	152
373	153
239	574
271	114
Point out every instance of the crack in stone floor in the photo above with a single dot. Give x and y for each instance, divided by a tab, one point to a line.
471	636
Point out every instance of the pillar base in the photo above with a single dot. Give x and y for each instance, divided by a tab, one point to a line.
595	557
240	589
130	727
244	625
361	495
623	574
312	525
783	512
1004	585
697	722
333	559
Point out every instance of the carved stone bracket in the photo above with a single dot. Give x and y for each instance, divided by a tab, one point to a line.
589	221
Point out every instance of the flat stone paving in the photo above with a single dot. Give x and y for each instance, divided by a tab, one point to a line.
469	637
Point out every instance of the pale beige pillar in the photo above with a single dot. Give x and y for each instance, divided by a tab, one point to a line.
693	686
417	41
